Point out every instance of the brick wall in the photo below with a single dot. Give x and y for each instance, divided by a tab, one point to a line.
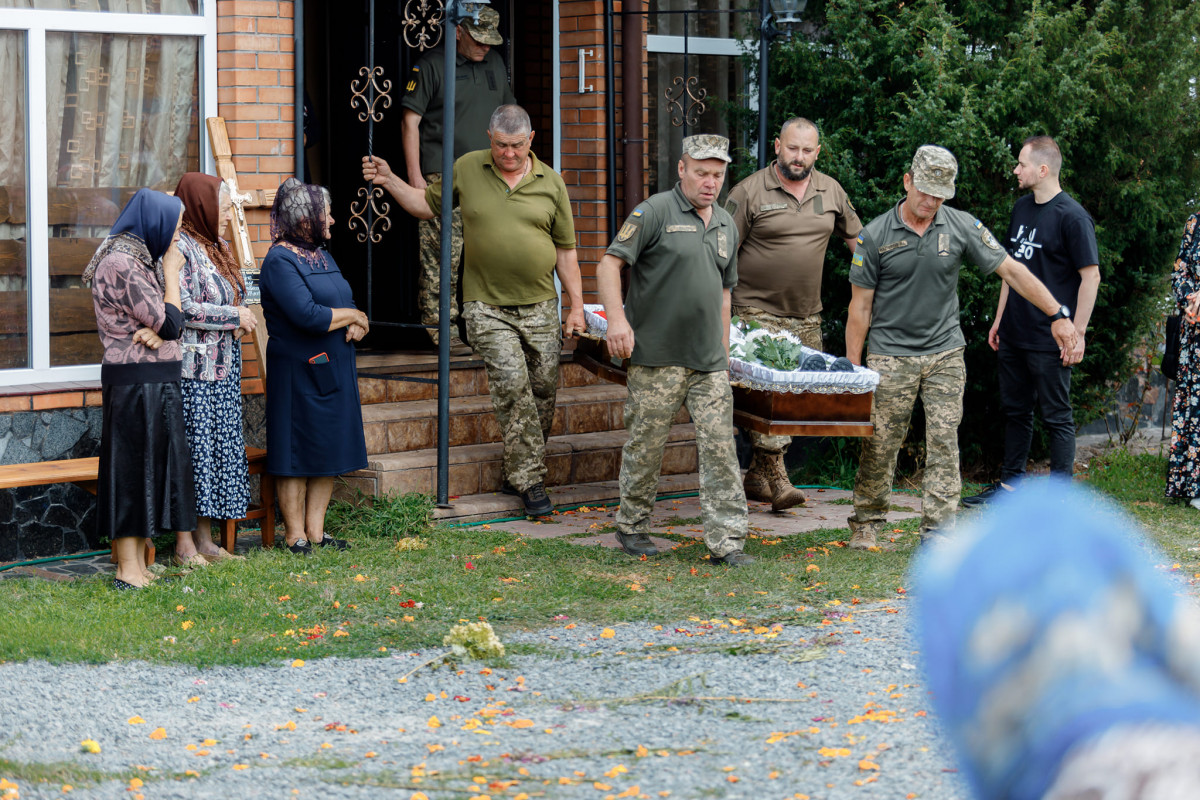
584	160
256	96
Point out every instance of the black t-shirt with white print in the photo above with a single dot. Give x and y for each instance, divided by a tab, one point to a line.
1055	240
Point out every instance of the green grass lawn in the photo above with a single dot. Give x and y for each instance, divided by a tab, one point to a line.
378	597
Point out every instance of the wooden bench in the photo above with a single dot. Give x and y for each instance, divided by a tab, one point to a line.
83	472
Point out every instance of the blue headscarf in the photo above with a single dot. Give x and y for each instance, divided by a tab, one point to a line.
152	217
144	229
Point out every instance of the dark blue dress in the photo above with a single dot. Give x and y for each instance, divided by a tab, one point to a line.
314	419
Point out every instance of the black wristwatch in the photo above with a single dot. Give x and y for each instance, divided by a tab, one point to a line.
1062	313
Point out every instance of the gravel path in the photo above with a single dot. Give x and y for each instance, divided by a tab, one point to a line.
830	712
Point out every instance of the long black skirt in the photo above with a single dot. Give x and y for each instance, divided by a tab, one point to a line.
145	485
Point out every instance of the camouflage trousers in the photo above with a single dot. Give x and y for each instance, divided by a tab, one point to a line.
655	395
940	379
429	235
520	347
808	331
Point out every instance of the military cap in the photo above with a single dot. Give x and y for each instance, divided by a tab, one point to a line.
933	171
707	145
487	29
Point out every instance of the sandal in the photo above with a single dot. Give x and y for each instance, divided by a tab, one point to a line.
301	548
194	561
222	555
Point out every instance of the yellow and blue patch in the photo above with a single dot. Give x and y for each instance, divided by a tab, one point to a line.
978	224
637	212
857	260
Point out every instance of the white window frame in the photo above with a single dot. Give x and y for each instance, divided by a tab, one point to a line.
35	24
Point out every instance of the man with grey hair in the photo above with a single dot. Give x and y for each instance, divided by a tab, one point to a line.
482	84
517	233
674	329
904	278
785	215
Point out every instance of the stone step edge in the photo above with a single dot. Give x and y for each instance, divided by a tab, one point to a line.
405	410
494	451
496	505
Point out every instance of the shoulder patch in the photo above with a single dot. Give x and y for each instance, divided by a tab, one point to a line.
731	205
978	224
859	240
989	240
637	212
851	205
857	260
627	231
417	68
410	86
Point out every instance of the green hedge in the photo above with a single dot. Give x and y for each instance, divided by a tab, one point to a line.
1111	81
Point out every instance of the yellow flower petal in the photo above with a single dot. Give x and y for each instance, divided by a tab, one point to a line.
158	734
607	633
136	720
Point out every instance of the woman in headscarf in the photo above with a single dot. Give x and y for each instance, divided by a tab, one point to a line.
314	420
145	479
213	294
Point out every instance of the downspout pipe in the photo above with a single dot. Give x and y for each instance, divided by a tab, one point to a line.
631	110
610	120
298	37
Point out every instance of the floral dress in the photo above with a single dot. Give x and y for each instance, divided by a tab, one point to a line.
1183	467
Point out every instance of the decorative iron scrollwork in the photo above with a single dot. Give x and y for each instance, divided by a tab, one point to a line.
675	95
383	89
423	29
358	214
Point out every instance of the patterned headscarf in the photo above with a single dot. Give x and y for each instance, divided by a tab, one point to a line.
201	196
144	230
298	219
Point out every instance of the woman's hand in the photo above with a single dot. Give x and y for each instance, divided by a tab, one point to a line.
148	337
173	259
246	320
355	332
1193	307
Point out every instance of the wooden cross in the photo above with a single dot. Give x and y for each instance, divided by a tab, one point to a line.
218	139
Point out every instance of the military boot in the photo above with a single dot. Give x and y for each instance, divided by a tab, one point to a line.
783	494
757	484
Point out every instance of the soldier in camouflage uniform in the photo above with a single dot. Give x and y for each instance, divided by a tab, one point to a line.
904	278
785	215
674	328
517	233
482	86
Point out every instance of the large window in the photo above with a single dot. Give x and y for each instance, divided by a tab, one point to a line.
97	100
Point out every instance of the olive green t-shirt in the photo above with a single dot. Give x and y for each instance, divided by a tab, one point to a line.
511	237
679	271
480	87
915	278
783	240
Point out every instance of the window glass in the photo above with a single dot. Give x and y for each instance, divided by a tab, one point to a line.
14	259
689	95
119	6
716	25
122	114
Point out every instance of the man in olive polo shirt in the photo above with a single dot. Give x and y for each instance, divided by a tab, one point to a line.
785	215
905	291
481	85
674	328
517	232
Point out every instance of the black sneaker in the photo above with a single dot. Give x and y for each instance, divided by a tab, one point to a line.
636	544
537	502
329	541
735	559
508	488
993	492
301	548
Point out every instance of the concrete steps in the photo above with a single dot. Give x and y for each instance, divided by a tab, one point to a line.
477	468
583	455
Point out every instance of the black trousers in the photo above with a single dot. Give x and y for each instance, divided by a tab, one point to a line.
1029	377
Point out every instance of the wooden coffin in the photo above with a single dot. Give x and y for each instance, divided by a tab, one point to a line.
775	413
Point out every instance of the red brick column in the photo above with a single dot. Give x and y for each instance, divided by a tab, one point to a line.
256	96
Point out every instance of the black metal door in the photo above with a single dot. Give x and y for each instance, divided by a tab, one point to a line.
365	49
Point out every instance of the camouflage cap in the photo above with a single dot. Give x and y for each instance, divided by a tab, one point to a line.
933	171
487	29
707	145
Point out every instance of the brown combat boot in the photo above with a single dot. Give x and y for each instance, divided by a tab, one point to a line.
757	483
783	494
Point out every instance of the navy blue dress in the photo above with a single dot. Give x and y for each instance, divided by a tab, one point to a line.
314	419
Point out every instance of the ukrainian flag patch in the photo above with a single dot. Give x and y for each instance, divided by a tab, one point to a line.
637	212
857	260
978	224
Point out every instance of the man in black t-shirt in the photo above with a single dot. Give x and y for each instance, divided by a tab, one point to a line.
1055	237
